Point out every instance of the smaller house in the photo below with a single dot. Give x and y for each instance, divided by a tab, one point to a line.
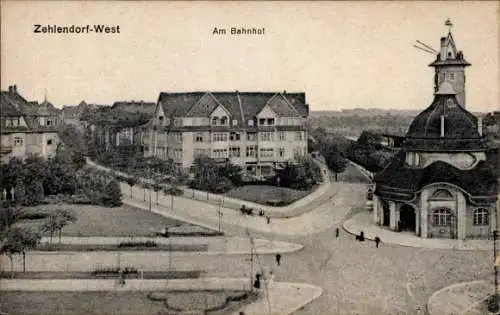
26	127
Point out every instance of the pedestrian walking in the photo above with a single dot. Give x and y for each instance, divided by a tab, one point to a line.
278	259
377	241
268	219
337	231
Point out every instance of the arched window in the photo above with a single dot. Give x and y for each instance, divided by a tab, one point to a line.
442	217
442	194
481	216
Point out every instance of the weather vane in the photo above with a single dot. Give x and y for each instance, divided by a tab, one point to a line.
449	24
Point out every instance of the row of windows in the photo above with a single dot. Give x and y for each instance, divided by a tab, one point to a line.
251	136
444	217
251	151
19	142
9	122
224	121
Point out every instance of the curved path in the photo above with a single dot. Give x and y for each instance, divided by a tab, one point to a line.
461	299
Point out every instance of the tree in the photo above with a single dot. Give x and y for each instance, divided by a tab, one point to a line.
173	190
111	195
131	181
57	220
157	187
17	241
19	191
335	161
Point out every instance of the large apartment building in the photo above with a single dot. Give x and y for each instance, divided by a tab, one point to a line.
257	131
26	127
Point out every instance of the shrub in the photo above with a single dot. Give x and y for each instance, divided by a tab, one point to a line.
33	215
114	270
81	199
137	244
112	195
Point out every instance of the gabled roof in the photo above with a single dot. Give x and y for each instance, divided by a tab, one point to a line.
243	106
7	107
13	104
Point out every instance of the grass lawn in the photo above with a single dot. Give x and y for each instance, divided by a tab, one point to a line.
112	302
262	194
110	247
102	221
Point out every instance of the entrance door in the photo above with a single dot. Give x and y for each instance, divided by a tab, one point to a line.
386	218
407	218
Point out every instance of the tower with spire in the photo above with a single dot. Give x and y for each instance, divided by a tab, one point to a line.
450	66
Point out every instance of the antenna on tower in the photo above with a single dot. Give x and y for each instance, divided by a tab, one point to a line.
449	24
424	47
427	46
45	96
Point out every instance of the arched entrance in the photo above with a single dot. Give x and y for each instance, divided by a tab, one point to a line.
407	218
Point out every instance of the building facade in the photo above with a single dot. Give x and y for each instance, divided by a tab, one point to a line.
442	183
27	127
257	131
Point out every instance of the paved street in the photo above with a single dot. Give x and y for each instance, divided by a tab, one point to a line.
356	277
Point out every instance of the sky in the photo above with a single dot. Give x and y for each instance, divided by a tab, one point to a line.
341	54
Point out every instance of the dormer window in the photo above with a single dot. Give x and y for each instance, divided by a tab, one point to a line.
215	121
262	121
250	123
223	121
270	121
160	119
235	122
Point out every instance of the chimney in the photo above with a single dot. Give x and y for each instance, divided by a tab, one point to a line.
480	126
14	88
284	92
11	88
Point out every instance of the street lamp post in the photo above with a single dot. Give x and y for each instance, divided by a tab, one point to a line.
149	185
496	297
220	214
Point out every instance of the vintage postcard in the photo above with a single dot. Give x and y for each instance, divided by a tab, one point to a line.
249	158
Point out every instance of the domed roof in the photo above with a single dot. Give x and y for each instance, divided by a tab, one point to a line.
444	126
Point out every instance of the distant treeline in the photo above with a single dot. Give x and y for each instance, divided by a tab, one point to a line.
355	125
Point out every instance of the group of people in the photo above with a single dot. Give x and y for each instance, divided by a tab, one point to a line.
360	237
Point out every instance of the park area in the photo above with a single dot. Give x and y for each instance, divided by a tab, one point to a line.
92	220
125	302
269	195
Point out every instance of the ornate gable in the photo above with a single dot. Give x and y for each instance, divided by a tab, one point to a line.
204	107
280	105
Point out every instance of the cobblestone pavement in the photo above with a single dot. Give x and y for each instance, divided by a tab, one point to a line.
357	278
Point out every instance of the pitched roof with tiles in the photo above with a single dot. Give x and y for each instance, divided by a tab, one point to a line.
14	105
242	106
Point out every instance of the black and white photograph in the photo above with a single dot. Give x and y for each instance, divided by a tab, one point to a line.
249	158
